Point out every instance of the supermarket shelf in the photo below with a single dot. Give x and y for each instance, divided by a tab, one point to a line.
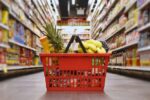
145	5
122	28
15	17
22	45
125	46
130	6
5	3
14	71
109	9
133	71
132	68
132	28
4	26
9	68
147	48
114	18
2	45
145	27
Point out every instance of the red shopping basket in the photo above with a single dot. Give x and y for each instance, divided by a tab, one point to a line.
75	72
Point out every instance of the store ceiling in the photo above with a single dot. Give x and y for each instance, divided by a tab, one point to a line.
73	8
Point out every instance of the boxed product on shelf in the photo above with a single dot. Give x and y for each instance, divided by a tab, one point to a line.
12	59
5	36
12	23
144	39
1	35
132	37
2	56
19	33
122	20
144	17
26	56
34	41
5	16
120	40
28	37
145	58
118	58
132	18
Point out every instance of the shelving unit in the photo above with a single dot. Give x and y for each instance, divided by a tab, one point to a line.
109	9
5	3
145	27
125	46
147	48
8	45
132	28
26	26
4	26
122	24
114	18
122	28
2	45
134	68
9	68
22	45
133	2
145	5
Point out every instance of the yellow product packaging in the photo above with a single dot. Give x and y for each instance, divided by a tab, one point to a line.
136	16
45	43
5	17
5	36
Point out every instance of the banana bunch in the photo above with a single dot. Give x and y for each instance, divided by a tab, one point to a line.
92	46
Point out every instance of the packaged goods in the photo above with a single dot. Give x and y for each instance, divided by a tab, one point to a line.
5	14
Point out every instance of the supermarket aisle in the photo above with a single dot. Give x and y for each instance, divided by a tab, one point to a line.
32	87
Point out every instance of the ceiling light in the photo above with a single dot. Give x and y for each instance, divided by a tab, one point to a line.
73	2
90	2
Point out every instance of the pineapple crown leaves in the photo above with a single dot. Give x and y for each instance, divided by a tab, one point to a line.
54	36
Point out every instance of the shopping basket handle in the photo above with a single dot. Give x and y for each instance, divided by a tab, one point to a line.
77	39
105	45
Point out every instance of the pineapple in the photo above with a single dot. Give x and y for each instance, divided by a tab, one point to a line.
54	37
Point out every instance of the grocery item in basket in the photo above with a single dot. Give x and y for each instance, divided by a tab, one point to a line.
92	46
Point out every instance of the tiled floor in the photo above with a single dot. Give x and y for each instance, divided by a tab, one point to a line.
32	87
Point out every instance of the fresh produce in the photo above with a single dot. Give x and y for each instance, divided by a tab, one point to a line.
92	46
54	37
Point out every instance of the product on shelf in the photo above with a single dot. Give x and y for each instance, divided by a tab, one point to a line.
144	17
12	24
132	37
133	58
12	57
1	35
145	58
26	57
2	56
144	39
5	15
5	36
19	33
0	13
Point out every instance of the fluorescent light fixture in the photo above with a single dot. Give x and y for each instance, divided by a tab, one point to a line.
90	2
56	1
73	2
